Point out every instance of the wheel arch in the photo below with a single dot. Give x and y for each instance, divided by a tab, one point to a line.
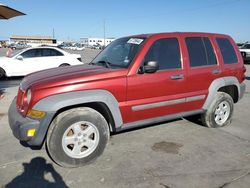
232	90
100	107
4	71
229	85
64	64
100	100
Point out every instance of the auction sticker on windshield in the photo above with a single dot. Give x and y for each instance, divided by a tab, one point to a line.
135	41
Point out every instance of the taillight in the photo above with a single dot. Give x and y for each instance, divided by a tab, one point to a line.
243	76
244	69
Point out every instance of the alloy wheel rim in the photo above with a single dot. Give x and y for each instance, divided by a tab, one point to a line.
80	139
222	113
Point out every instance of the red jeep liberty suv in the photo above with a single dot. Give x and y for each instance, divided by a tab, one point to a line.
135	81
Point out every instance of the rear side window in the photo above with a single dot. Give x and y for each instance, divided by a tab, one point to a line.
166	52
227	51
55	53
51	52
200	51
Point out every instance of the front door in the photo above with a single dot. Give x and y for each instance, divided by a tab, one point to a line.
152	95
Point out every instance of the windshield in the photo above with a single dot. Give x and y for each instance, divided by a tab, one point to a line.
13	53
120	53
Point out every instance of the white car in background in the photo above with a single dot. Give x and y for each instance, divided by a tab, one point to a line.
245	52
35	59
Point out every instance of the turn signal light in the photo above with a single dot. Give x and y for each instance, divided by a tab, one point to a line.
36	114
31	132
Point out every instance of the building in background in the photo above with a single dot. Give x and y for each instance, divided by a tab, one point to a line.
96	41
32	39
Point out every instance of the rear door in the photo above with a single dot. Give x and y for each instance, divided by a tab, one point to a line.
203	67
52	58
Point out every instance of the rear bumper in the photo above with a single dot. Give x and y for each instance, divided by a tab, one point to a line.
20	126
242	90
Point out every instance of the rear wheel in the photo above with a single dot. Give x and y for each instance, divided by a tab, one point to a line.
2	73
77	137
220	112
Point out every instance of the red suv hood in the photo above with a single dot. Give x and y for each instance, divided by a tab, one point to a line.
69	75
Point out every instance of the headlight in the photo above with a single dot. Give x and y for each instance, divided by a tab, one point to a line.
28	96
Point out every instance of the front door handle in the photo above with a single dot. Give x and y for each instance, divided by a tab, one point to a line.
177	77
216	71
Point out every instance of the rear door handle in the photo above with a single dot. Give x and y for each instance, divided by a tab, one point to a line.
216	71
177	77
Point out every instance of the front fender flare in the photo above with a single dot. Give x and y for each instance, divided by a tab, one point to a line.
57	102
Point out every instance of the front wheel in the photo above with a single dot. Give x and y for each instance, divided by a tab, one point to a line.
220	112
77	137
64	65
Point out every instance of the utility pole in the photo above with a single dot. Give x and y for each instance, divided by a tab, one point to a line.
104	32
53	33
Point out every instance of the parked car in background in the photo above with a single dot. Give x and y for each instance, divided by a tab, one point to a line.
18	46
79	47
97	46
245	52
35	59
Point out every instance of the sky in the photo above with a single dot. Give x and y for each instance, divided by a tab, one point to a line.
75	19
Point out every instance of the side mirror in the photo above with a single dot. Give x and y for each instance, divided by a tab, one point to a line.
20	58
151	67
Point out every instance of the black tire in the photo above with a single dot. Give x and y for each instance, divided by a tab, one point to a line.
64	65
244	54
2	73
220	112
64	126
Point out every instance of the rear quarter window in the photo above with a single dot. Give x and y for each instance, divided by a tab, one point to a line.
227	51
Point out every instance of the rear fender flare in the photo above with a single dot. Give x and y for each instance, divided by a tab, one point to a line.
216	85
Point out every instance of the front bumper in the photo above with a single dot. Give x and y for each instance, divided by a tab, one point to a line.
20	126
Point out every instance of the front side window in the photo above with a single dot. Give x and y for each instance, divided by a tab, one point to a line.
119	53
166	53
227	51
200	51
31	53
